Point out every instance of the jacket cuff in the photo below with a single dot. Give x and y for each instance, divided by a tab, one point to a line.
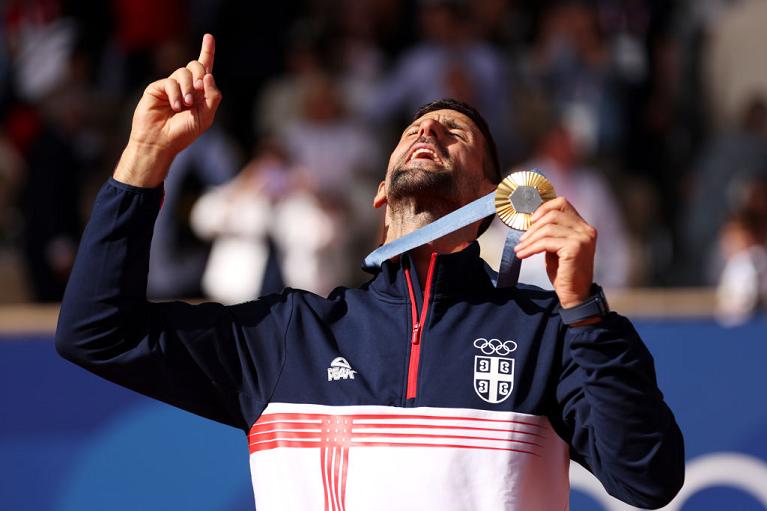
158	190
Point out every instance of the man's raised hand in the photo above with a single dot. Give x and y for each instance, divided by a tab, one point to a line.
171	114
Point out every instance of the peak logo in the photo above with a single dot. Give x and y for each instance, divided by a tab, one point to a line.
340	369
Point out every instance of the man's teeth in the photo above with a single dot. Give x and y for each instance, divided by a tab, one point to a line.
424	151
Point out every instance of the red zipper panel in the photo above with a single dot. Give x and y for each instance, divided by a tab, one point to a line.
418	324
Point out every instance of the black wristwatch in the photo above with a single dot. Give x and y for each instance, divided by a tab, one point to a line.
594	306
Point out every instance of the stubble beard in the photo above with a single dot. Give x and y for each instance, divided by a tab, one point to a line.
434	191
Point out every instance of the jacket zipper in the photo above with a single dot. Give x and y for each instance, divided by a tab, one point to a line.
418	326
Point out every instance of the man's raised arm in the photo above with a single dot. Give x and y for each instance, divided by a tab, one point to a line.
219	362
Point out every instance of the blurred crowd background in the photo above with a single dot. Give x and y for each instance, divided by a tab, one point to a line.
650	116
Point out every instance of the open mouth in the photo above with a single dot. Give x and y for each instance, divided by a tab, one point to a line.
425	153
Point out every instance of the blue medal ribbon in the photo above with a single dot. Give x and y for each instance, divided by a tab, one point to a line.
508	272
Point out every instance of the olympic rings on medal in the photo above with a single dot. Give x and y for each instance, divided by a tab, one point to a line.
495	346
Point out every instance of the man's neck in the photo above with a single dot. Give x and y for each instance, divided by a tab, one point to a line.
401	223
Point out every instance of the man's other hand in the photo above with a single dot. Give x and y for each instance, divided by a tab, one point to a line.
569	243
171	114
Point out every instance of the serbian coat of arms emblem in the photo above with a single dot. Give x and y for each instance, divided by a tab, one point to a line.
494	375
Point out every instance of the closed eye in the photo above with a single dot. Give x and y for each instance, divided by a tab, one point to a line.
458	133
456	129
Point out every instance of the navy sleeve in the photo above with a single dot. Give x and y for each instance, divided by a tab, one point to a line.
220	362
614	415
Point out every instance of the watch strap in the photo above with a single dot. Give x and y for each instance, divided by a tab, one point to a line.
594	306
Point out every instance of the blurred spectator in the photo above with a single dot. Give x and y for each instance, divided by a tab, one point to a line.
253	36
662	126
730	158
358	58
13	281
500	22
58	153
448	62
48	125
735	69
143	26
40	42
177	257
336	150
343	163
571	62
266	211
11	172
280	101
49	207
742	288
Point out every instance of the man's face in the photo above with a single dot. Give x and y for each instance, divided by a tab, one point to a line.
439	161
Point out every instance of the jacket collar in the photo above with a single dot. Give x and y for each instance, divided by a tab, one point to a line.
459	274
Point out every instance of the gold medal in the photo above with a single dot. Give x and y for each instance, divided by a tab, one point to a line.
519	195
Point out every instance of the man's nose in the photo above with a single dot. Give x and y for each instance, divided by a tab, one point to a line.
429	128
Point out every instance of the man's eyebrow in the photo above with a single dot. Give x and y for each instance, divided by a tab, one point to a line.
452	124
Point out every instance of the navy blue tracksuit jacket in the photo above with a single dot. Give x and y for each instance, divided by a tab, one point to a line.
460	396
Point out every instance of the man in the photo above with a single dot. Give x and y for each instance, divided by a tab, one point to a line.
426	388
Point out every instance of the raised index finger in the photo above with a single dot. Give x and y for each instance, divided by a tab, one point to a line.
208	52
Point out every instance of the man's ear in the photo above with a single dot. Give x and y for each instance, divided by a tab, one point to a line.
380	198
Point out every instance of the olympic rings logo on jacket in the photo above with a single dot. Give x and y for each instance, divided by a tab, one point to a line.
495	346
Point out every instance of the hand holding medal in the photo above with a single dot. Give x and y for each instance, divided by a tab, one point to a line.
569	243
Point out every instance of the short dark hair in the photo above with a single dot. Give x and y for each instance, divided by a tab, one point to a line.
492	165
